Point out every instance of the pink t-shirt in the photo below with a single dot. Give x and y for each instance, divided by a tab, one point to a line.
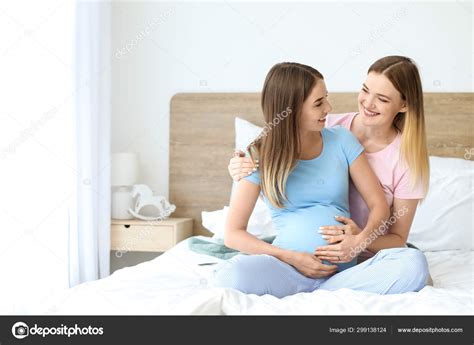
391	171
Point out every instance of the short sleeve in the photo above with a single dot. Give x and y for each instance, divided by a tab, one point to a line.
404	189
254	177
350	145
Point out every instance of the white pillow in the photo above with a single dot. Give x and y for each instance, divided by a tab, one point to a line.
444	220
245	133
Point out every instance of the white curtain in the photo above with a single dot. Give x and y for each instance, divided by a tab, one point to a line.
37	164
89	236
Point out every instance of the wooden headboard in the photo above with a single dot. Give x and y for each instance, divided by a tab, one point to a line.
202	141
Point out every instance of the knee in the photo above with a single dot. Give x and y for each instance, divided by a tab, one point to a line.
224	274
420	269
414	269
236	274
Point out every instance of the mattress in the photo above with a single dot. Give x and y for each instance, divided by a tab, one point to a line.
176	284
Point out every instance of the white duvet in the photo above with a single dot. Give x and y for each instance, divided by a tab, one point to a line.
174	283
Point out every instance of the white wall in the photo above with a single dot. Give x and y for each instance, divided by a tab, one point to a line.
165	48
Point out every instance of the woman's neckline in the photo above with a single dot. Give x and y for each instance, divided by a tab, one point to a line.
396	139
322	149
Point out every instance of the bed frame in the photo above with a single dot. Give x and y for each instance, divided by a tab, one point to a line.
202	141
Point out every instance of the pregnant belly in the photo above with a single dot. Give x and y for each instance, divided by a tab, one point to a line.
298	230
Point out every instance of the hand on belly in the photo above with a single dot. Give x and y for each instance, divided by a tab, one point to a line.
298	230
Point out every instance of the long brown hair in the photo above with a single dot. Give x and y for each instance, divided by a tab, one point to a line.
278	147
403	74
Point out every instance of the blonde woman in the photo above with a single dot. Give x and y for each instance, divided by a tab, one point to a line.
390	125
294	157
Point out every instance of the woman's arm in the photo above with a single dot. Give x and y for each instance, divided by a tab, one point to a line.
236	235
403	212
369	188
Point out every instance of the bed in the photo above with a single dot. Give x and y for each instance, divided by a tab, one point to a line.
201	141
175	284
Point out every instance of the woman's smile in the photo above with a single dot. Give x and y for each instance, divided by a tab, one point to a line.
323	119
369	113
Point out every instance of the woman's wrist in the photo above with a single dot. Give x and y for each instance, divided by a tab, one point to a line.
363	237
284	255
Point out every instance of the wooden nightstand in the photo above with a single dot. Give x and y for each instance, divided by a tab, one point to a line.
149	236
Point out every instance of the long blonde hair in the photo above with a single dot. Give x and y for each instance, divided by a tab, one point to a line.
403	74
278	147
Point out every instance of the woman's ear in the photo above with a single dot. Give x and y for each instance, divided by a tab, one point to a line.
404	108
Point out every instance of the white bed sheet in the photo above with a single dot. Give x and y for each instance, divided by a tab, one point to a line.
173	283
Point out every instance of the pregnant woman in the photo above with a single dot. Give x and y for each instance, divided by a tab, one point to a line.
304	179
390	125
